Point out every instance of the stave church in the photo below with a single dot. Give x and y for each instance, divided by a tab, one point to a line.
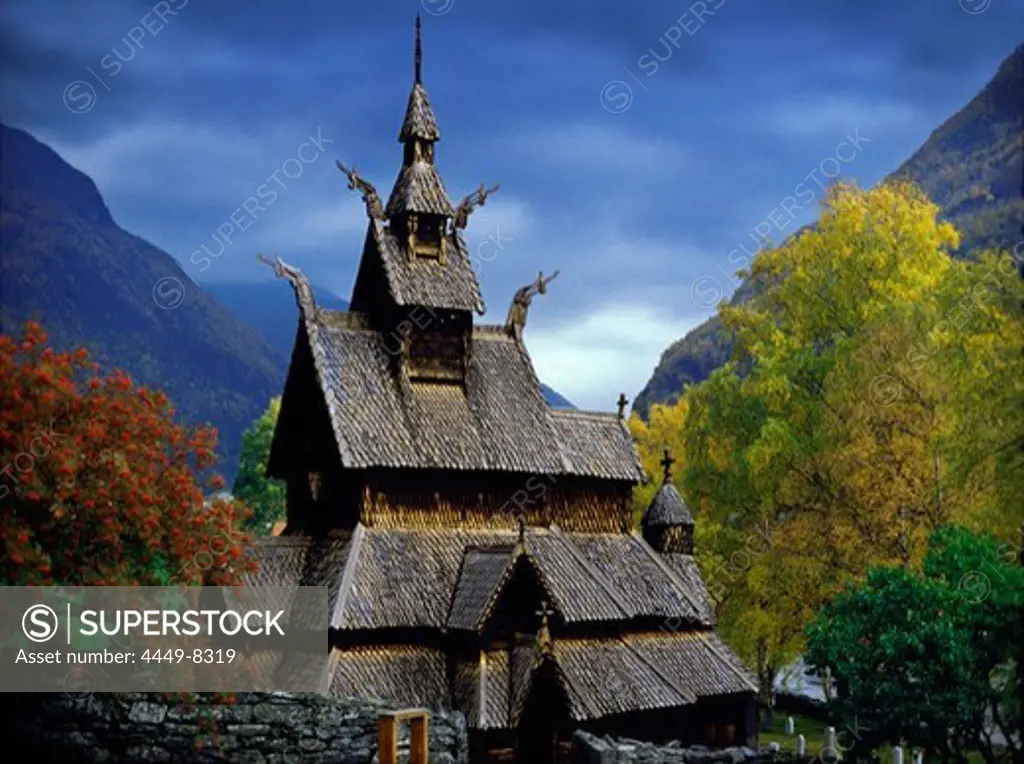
477	545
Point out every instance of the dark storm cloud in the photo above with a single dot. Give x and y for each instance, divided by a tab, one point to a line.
728	111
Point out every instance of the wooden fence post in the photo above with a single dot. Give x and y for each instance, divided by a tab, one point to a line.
419	749
419	735
387	735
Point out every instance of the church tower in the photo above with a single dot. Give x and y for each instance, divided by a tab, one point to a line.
667	524
419	208
415	280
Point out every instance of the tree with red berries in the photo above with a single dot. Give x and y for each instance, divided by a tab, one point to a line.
98	484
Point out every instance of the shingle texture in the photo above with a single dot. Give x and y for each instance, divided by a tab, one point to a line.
414	282
483	573
647	670
404	578
667	509
498	421
419	189
419	119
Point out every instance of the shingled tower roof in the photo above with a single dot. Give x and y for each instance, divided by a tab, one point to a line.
667	524
668	509
418	188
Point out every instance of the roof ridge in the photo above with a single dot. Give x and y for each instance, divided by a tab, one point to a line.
584	414
331	319
495	329
667	570
327	391
515	553
582	559
355	547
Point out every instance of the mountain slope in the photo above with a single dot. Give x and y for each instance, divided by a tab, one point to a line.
970	166
269	308
65	262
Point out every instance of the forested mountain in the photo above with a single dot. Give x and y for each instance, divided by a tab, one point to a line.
65	262
970	166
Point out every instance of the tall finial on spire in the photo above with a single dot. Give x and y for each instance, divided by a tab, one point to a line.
419	49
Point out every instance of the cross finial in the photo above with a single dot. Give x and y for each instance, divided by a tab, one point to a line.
666	463
623	400
544	633
545	611
419	49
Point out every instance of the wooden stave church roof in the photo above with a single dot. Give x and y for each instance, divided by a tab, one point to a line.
497	421
602	676
385	581
379	579
410	283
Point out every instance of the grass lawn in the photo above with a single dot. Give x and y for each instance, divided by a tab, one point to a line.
813	732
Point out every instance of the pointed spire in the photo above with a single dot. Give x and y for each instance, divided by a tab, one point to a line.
419	51
419	119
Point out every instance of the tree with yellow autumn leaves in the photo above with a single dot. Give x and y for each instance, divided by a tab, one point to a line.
874	396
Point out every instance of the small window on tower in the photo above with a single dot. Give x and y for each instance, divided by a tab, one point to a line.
437	356
428	238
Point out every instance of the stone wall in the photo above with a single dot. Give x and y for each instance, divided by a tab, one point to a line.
274	728
590	749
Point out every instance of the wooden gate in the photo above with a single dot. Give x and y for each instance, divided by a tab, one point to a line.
387	734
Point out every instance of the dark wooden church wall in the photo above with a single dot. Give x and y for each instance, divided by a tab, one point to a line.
433	499
715	722
305	454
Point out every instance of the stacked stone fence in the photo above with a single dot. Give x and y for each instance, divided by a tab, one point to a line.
590	749
270	728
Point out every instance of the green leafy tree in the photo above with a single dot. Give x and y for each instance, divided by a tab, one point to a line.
876	396
927	658
266	497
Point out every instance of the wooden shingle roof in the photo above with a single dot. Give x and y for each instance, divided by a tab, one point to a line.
498	421
482	689
412	282
596	443
419	121
640	671
419	189
390	579
280	560
406	675
483	574
699	661
603	677
668	509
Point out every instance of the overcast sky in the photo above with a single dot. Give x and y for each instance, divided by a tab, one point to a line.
638	145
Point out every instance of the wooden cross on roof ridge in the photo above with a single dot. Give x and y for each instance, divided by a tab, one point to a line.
545	611
622	402
666	463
